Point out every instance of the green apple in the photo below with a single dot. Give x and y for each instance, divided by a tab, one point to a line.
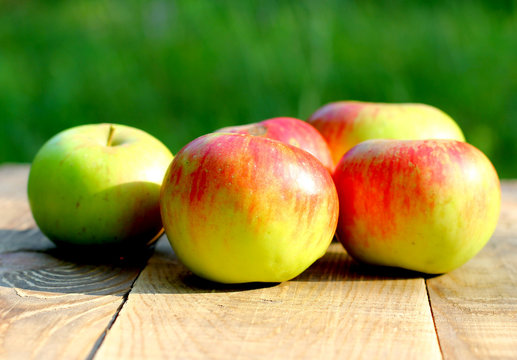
239	208
345	124
99	185
424	205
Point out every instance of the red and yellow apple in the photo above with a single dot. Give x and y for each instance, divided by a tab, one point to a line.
238	208
98	186
291	131
345	124
424	205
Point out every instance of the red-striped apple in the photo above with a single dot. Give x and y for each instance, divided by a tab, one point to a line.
238	208
291	131
424	205
345	124
97	186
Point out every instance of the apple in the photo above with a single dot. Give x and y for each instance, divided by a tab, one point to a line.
238	208
345	124
291	131
99	185
423	205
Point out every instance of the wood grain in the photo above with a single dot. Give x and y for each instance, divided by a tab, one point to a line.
475	306
334	310
58	306
52	306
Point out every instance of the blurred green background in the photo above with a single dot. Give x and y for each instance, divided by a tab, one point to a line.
179	69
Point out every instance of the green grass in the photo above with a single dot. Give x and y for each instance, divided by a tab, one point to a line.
178	69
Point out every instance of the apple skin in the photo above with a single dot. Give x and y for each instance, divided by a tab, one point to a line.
423	205
291	131
238	208
83	193
345	124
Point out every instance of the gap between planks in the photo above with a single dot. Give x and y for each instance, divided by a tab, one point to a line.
101	338
434	320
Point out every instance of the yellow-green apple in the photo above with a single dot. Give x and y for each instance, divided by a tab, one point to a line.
291	131
424	205
347	123
238	208
99	185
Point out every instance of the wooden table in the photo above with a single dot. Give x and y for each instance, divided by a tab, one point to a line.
53	306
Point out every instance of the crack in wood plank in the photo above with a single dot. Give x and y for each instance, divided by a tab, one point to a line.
434	319
101	338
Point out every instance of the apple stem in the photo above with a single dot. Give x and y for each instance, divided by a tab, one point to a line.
110	135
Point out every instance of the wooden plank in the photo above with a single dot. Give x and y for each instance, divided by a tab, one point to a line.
475	306
507	225
337	309
54	306
13	195
51	306
13	180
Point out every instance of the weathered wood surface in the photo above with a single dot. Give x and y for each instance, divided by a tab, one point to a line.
334	310
52	306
